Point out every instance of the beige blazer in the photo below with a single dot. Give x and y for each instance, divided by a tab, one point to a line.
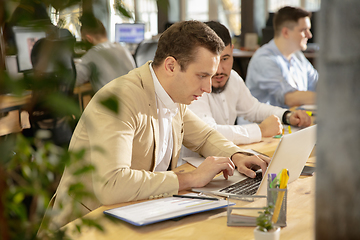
129	143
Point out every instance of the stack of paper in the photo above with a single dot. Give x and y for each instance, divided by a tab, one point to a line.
163	209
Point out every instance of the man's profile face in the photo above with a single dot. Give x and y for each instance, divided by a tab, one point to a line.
190	84
300	34
223	72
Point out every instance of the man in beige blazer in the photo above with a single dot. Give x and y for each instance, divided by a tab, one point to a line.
131	141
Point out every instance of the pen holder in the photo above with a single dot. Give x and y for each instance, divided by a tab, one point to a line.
244	209
278	198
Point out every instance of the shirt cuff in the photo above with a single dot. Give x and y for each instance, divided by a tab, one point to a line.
240	134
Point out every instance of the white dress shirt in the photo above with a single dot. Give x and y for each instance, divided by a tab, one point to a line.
166	109
220	111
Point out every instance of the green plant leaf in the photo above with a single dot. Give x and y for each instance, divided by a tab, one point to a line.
84	170
111	103
120	8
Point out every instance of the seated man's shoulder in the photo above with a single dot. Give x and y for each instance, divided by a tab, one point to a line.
265	52
235	80
128	84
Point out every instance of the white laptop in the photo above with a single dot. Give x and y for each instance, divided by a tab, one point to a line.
291	153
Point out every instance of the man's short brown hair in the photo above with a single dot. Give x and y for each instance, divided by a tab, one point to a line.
182	39
288	17
92	26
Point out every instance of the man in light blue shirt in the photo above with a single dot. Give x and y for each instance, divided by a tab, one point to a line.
278	73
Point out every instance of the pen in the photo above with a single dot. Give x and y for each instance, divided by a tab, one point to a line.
311	114
196	197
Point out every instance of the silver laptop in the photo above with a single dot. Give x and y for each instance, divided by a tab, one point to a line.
291	153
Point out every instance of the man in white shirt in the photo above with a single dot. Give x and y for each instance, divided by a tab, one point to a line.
230	98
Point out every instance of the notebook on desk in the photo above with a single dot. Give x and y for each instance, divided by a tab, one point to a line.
292	153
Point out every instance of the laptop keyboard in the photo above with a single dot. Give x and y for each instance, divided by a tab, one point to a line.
248	186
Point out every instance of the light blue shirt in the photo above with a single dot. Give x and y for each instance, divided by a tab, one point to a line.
270	75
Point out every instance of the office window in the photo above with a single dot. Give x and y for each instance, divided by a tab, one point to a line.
142	11
146	11
309	5
225	11
230	15
67	18
197	10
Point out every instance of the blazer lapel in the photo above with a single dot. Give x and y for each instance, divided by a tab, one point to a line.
148	85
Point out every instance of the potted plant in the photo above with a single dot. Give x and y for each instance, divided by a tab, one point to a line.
265	229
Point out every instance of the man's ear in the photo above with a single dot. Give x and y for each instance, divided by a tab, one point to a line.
285	32
89	38
170	64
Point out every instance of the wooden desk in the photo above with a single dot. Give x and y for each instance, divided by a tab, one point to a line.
10	102
12	119
84	93
212	224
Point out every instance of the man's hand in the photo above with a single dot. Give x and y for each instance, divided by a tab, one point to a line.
207	170
246	164
271	126
300	118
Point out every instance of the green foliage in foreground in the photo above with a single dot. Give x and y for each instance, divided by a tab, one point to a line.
32	169
264	219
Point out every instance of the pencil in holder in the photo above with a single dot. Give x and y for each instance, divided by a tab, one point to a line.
277	197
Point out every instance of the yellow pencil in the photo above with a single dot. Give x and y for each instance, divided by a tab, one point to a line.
289	129
284	177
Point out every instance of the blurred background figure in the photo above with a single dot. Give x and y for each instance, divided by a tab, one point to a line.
104	61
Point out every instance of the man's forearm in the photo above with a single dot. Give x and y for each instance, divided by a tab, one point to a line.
298	98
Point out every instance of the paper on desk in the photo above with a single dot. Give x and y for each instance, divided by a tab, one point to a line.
163	209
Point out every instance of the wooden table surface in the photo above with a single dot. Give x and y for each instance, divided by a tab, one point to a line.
9	102
211	224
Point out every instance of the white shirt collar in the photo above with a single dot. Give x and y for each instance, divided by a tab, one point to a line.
162	95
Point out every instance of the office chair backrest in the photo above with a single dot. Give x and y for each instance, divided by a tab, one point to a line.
267	35
145	51
53	62
54	73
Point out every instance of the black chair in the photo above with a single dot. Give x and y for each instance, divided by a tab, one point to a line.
267	34
145	51
54	75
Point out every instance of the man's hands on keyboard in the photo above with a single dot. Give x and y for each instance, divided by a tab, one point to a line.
245	164
248	186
